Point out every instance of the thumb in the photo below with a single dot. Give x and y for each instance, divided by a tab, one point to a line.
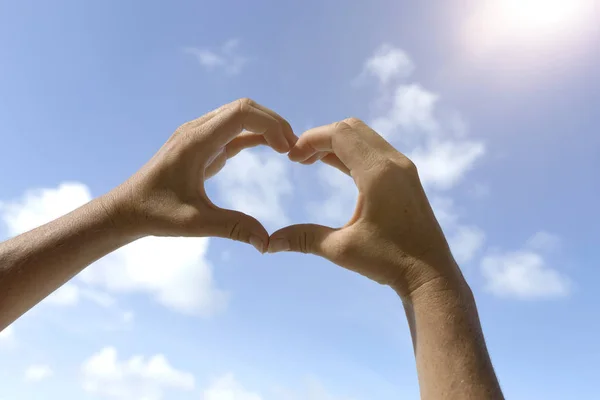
305	238
238	226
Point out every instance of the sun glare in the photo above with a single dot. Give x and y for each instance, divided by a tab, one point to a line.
520	24
538	16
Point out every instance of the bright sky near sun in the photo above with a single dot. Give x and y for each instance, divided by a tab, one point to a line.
496	101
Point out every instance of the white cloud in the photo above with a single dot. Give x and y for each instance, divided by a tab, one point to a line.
139	377
465	242
67	295
39	206
7	334
38	372
412	109
312	389
444	163
523	274
98	297
445	211
256	183
544	241
173	270
388	63
228	388
128	316
226	58
316	391
338	207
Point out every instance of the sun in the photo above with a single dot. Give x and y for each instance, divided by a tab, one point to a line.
538	16
527	24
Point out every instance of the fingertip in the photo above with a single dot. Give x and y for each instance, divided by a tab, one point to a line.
258	243
289	134
278	142
297	154
277	245
282	148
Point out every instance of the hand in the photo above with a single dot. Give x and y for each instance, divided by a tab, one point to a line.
167	197
393	236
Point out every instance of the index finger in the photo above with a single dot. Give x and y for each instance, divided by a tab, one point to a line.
245	114
341	139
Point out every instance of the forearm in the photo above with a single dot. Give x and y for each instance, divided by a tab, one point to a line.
450	350
36	263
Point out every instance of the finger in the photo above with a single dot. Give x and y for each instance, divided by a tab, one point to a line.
205	118
334	161
306	238
215	165
238	226
288	132
370	136
244	141
241	115
314	158
346	143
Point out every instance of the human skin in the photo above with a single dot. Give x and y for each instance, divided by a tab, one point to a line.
393	237
166	197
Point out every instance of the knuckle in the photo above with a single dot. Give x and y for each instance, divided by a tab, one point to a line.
244	103
408	165
341	126
354	122
185	127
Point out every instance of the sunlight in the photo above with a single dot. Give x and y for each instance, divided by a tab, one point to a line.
539	16
501	24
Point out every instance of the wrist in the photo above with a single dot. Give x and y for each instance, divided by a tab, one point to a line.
119	215
440	292
430	273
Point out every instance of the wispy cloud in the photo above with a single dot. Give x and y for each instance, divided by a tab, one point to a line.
338	206
443	163
226	58
7	335
67	295
257	183
227	387
524	274
38	372
411	112
138	377
465	241
544	241
388	63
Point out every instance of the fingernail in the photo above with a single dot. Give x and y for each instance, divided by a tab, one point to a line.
276	245
258	243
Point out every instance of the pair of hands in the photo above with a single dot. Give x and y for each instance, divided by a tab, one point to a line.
393	236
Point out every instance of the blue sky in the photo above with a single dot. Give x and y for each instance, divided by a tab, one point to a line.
500	117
